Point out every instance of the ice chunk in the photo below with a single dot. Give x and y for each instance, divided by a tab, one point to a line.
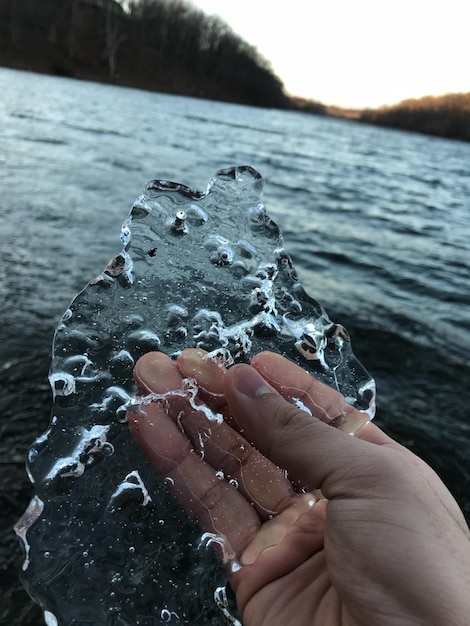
196	269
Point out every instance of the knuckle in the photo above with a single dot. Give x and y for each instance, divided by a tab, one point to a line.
238	455
212	495
289	423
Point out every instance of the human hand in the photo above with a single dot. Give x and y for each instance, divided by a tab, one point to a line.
385	544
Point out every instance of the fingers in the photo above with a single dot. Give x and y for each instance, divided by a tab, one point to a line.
294	383
298	386
372	433
315	455
210	375
155	372
259	480
310	450
172	427
214	504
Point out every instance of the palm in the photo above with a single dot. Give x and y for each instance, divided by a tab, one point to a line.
303	589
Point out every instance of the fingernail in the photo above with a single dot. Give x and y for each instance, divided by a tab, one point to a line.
208	372
149	371
191	361
155	372
250	383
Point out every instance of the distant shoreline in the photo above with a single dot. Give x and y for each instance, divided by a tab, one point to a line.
444	119
446	116
177	49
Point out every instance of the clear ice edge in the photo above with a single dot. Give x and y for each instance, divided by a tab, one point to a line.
197	269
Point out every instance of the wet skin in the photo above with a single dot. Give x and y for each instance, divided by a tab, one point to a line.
317	527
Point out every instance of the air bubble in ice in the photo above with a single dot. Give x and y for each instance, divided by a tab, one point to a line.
131	482
62	384
170	617
196	269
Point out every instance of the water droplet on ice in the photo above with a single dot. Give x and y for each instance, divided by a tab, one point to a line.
50	619
107	449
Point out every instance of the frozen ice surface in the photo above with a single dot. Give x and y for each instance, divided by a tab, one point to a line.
105	541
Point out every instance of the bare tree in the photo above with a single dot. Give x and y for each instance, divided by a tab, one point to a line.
14	24
71	43
114	35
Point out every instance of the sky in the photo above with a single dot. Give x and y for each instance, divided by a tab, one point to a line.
357	53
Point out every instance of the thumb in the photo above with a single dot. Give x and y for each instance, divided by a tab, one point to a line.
314	453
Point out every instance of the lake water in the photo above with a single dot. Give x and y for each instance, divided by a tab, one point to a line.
377	222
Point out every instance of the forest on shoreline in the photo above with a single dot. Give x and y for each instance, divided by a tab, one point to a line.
171	46
443	116
159	45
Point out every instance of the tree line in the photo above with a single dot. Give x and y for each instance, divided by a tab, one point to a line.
162	45
443	116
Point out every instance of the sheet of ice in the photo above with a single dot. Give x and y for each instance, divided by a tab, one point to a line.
108	543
